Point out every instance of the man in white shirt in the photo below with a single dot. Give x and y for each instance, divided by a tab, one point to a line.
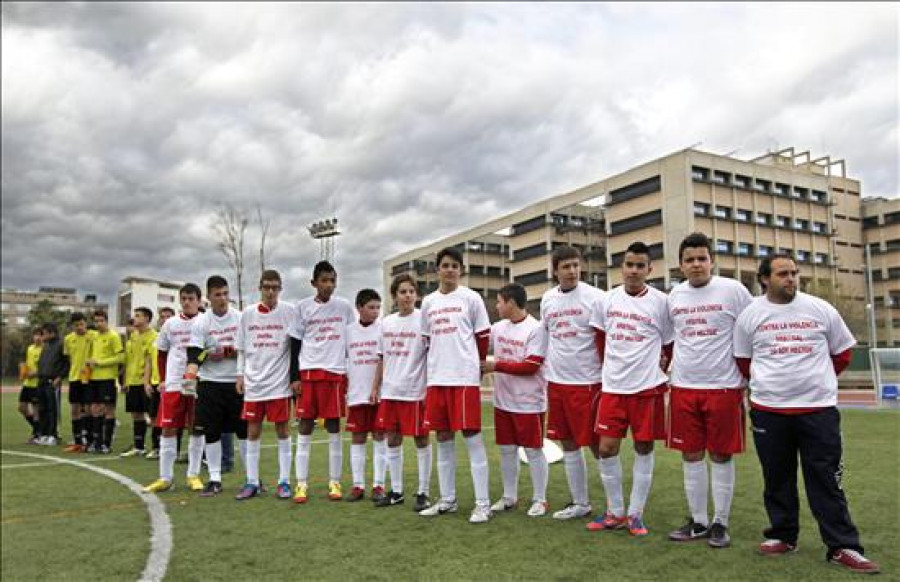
706	401
792	346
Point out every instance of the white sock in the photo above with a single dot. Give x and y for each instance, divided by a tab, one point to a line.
379	462
168	450
358	464
478	464
301	458
253	461
335	456
195	455
446	457
424	458
642	478
723	490
509	468
395	462
611	475
242	447
540	473
576	475
284	460
695	487
214	460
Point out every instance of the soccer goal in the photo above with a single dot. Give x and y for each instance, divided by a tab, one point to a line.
886	375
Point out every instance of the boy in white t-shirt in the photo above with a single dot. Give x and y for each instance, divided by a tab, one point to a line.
633	326
519	343
792	346
363	348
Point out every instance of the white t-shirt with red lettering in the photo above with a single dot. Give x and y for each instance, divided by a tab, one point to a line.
703	319
322	327
403	354
214	334
174	338
363	347
516	342
264	338
571	352
790	347
637	327
450	321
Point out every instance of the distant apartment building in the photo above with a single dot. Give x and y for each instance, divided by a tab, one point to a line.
881	233
786	201
154	294
15	304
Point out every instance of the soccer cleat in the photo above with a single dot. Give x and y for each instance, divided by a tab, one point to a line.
772	547
854	561
718	536
283	490
607	521
422	502
132	452
538	509
391	498
572	511
505	504
300	493
356	494
689	532
154	454
247	491
194	483
334	491
34	440
158	486
212	489
440	508
377	493
636	526
481	514
74	448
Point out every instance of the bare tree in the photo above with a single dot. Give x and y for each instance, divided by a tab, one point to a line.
263	231
230	226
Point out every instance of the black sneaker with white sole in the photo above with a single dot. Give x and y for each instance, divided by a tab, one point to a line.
689	532
718	536
391	498
422	502
212	489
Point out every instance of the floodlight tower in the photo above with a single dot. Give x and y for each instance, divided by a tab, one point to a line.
325	231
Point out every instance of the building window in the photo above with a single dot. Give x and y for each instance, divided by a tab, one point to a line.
802	256
762	185
532	278
783	190
763	251
744	249
820	258
723	212
699	174
494	271
741	181
763	218
535	223
892	245
781	221
892	218
816	195
894	273
800	224
742	215
721	177
819	227
537	250
165	297
636	222
701	209
723	247
21	320
636	190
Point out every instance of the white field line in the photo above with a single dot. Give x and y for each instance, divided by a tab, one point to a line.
160	525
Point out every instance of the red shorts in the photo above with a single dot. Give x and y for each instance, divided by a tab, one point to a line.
404	416
519	428
711	420
362	418
321	399
572	412
175	410
278	410
453	408
644	412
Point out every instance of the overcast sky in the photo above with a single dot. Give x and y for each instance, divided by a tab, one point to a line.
125	125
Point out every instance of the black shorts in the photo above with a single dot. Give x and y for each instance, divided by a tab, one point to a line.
29	395
79	392
103	391
136	400
219	409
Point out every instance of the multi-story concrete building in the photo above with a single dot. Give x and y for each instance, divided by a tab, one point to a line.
154	294
881	232
785	201
15	304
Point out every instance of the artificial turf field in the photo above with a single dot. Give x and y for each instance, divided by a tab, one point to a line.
62	522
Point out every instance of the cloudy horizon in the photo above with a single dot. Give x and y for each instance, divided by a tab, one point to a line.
125	126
